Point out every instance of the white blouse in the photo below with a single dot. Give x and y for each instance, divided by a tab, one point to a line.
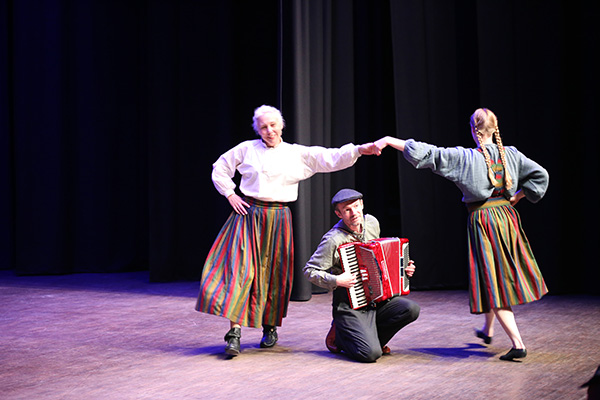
273	173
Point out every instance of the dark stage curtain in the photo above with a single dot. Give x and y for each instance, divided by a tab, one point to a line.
528	62
418	69
112	116
337	71
112	113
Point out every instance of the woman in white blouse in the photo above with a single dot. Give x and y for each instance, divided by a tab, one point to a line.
247	276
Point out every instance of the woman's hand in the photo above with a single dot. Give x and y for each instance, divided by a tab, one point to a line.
369	149
238	204
515	199
396	143
381	143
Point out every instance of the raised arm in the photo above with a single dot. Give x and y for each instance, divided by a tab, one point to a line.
396	143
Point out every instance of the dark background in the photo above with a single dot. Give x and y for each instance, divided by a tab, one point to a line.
112	113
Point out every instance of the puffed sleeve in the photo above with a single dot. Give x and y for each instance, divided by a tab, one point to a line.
320	159
224	170
533	178
446	162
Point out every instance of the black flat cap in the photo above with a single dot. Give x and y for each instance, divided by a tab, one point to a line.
345	195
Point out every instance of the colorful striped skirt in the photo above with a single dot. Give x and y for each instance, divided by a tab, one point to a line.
247	276
502	269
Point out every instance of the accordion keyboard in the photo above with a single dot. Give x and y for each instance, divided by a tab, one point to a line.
350	263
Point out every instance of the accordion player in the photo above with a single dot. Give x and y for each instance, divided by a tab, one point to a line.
379	266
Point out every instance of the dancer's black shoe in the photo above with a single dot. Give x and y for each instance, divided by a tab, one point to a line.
233	341
486	339
514	353
269	336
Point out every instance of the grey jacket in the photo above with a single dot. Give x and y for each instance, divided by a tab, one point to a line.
467	169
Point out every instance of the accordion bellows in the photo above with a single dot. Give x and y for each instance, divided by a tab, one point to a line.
380	269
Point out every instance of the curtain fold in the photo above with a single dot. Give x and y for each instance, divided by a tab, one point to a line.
320	61
426	57
115	113
7	205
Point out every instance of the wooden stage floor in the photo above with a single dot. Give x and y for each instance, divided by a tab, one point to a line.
116	336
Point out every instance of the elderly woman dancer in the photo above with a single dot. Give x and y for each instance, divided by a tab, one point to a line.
247	276
492	178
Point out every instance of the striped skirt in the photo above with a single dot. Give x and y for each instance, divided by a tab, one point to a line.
247	276
502	269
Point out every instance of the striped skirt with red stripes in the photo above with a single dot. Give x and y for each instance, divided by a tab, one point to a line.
502	269
247	276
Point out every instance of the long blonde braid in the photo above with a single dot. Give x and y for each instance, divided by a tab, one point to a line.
486	154
508	182
476	121
486	119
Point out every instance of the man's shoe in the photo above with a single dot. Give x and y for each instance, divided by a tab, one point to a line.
233	341
269	336
330	340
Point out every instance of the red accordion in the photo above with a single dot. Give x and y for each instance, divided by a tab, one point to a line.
380	269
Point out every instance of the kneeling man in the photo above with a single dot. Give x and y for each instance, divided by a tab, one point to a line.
361	334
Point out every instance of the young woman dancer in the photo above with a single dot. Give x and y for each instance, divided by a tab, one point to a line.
493	178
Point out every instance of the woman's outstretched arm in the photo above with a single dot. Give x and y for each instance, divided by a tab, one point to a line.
396	143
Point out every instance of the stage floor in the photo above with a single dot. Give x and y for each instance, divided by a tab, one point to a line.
117	336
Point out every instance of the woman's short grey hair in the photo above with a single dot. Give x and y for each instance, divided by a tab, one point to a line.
262	110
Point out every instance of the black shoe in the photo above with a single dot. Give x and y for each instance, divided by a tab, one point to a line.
233	341
486	339
269	336
514	353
